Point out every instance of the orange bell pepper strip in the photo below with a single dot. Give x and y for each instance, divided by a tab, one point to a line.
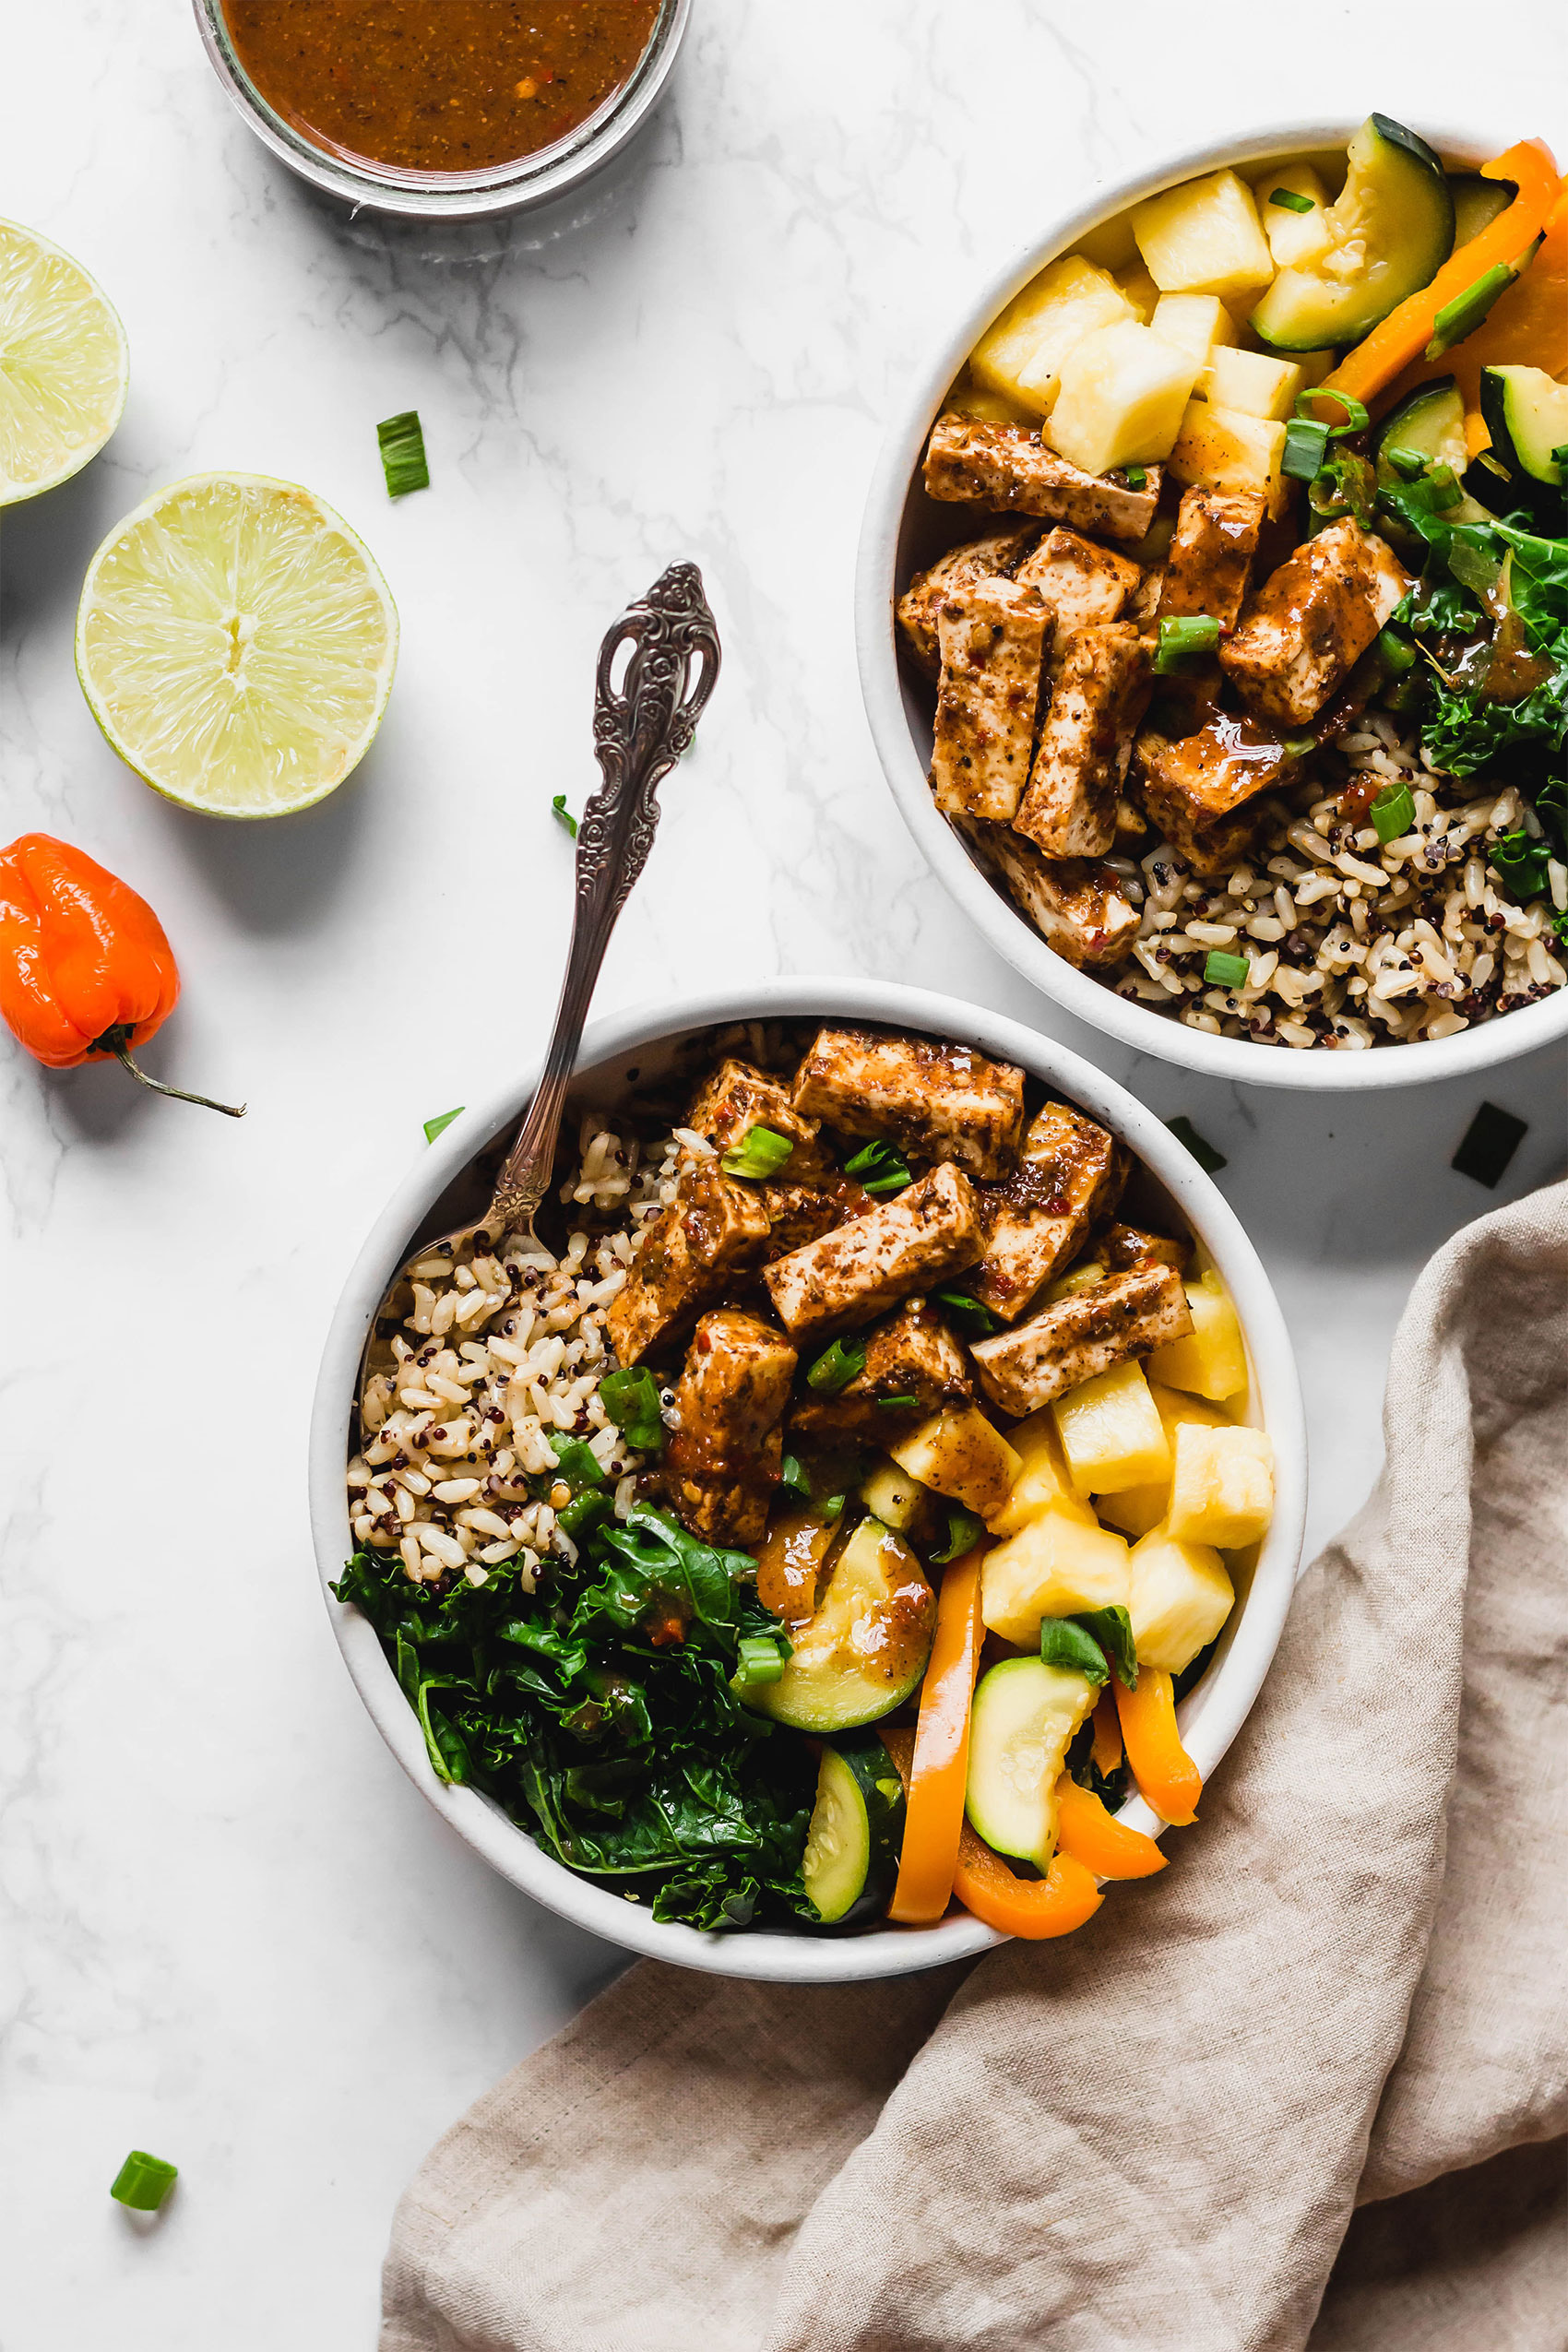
934	1811
1106	1749
1526	327
1031	1907
1095	1837
1404	335
1168	1778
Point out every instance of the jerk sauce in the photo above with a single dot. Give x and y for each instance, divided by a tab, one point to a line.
438	85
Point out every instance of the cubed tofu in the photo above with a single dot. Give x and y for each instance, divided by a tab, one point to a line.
1137	1509
1202	797
1295	238
933	1101
1210	556
1076	1338
1139	289
737	1098
799	1213
996	556
1124	392
992	642
1221	1487
1112	1433
1057	1565
1099	686
1081	583
1250	384
1008	466
911	1356
1204	238
712	1229
1077	905
1198	322
960	1453
1225	450
1070	1177
1021	352
722	1463
1124	1245
857	1272
1179	1598
1208	1358
1311	621
1042	1482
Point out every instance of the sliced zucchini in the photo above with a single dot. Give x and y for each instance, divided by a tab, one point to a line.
1025	1715
866	1647
1391	227
856	1832
1476	203
1430	423
1526	414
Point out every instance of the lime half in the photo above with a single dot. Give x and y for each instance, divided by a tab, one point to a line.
236	644
63	366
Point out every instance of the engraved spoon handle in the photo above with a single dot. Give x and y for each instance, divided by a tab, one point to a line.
641	726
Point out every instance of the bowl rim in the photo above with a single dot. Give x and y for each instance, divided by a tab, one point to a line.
1210	1715
1505	1039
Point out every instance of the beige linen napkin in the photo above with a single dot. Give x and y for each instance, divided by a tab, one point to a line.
1157	2132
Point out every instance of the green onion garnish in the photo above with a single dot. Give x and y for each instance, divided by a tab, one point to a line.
1465	313
833	1508
760	1152
402	454
963	1531
143	2182
978	1319
1445	484
1136	478
896	1404
1395	651
576	1461
792	1475
1112	1629
1409	463
631	1399
1305	442
1392	812
761	1657
1356	414
879	1169
563	815
1194	633
1289	201
1490	1141
1225	971
1209	1160
837	1367
433	1127
1063	1642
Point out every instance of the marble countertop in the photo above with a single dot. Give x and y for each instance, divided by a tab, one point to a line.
230	1930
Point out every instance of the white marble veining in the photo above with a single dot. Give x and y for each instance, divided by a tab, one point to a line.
229	1929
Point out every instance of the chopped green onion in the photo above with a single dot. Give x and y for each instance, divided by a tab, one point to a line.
760	1152
1225	971
833	1508
1063	1642
963	1531
1392	812
1409	463
969	1312
1490	1141
792	1476
1305	442
1136	478
1209	1160
402	454
1289	201
879	1169
576	1461
563	815
1112	1629
896	1404
433	1127
837	1367
1465	313
1395	651
1356	414
761	1657
1192	632
1444	486
631	1399
143	2182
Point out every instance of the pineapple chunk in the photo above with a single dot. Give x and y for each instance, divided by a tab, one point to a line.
959	1454
891	1495
1295	238
1204	238
1043	1484
1179	1596
1210	1360
1198	322
1253	384
968	399
1054	1567
1121	399
1315	365
1082	1276
1111	1430
1137	1509
1140	291
1020	354
1222	1487
1224	450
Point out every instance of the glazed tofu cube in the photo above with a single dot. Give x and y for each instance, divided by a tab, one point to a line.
1077	907
712	1229
1042	1482
1253	384
1057	1565
934	1102
1008	466
1021	353
1179	1597
737	1098
1204	238
1137	1509
1112	1433
1124	1245
992	642
1211	1358
996	556
1311	621
1122	394
1198	322
799	1213
1211	846
722	1462
1070	1177
1081	583
856	1273
1075	1338
913	1354
1224	450
1295	238
1203	792
959	1452
1222	1486
1210	555
1099	685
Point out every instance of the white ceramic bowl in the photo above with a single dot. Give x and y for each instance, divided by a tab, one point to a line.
1210	1715
904	529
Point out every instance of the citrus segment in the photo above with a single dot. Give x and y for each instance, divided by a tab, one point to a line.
63	366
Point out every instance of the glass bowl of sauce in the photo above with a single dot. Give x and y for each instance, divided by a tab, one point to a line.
453	108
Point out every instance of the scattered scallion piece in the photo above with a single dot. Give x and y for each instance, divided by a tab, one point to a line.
576	1461
878	1169
1465	313
402	454
1490	1141
1392	812
791	1475
1288	200
1136	478
1409	463
433	1127
1357	416
143	2182
1443	483
1305	442
631	1399
1065	1643
760	1152
833	1508
1189	633
563	815
977	1319
837	1367
963	1531
761	1657
1222	970
1209	1160
896	1404
1112	1629
1396	652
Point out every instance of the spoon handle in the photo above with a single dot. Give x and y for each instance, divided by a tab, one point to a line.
666	647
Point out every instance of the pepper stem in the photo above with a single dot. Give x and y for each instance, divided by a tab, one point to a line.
229	1110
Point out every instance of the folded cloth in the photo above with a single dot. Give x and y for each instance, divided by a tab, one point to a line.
1155	2133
